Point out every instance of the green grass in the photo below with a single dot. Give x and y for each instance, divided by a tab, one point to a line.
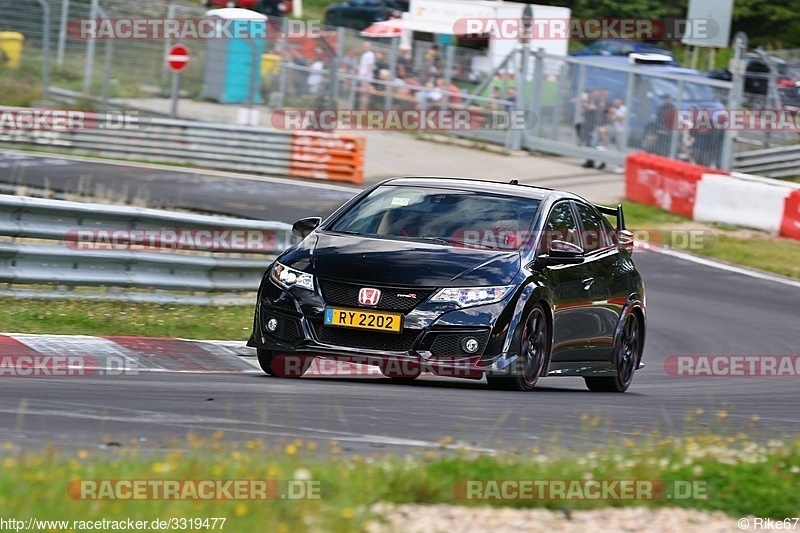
753	249
737	476
82	317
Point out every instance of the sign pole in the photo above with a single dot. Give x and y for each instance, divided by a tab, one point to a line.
177	59
176	76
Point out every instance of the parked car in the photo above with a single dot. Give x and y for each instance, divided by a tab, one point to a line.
623	47
460	278
756	80
271	8
361	14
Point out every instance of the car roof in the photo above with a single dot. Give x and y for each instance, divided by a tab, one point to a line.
476	185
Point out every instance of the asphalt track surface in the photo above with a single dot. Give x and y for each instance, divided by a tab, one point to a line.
694	309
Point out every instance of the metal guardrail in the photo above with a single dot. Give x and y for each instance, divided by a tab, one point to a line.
68	263
307	154
777	162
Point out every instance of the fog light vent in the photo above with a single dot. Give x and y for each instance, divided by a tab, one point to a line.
470	345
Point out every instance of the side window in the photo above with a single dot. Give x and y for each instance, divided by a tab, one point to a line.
561	225
595	229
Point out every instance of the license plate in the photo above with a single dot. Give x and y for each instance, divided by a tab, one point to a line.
361	319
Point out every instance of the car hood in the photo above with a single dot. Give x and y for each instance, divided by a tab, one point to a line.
402	263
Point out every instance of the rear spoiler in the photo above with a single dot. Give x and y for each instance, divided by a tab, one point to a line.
614	211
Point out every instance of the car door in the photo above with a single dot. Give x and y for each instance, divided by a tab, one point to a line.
608	287
571	299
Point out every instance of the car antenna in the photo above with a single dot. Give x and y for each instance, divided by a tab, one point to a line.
514	182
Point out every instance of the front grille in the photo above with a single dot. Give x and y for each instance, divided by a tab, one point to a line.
449	344
289	329
346	294
366	340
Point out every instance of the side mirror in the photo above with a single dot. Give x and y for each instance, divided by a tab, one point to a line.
625	240
563	253
304	226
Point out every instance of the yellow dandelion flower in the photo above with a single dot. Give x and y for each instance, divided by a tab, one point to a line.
240	509
290	449
347	513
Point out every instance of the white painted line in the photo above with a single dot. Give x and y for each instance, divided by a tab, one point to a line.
729	268
202	171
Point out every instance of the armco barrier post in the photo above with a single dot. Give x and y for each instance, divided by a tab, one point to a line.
790	227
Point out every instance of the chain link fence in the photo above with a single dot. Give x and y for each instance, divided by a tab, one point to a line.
596	109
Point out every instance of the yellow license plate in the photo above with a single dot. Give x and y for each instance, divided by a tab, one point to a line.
361	319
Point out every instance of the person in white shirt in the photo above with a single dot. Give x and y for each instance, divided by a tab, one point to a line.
315	77
366	65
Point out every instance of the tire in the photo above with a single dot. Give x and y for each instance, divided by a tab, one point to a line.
626	359
534	350
282	366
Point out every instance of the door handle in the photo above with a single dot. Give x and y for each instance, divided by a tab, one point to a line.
587	282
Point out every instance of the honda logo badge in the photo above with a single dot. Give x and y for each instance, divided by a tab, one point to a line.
369	296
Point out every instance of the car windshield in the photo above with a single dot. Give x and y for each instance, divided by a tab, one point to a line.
450	217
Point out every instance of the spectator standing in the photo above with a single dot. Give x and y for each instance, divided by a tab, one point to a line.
316	76
404	68
366	64
590	113
611	132
664	115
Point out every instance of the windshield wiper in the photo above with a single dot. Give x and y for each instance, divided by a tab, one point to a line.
347	232
450	240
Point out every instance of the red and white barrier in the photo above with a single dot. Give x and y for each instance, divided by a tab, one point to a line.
729	200
709	195
790	226
663	182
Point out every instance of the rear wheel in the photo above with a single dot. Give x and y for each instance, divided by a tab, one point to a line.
283	366
627	358
534	351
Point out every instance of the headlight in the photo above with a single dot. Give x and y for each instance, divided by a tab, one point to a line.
469	297
289	277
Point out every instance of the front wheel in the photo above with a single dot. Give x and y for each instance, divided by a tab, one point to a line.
627	358
534	351
283	366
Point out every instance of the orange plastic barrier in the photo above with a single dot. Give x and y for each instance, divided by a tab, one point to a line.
663	182
327	156
790	227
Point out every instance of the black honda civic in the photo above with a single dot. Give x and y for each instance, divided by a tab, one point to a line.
461	278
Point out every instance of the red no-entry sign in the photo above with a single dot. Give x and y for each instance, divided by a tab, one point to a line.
178	57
